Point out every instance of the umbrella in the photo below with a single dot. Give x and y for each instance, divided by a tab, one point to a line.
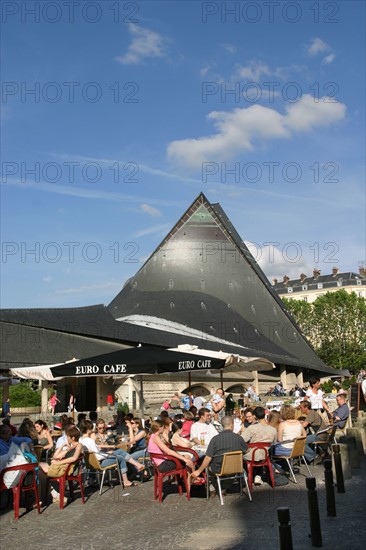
135	361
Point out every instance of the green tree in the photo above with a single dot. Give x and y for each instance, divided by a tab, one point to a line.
22	395
340	329
335	324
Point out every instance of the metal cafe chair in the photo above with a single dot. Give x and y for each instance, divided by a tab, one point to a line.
94	468
297	451
231	468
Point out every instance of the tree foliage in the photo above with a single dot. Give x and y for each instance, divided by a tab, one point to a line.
335	324
22	395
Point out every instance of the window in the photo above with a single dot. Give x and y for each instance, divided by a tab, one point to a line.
320	285
305	287
289	289
339	282
358	281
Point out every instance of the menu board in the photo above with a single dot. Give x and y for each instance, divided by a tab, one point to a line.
355	400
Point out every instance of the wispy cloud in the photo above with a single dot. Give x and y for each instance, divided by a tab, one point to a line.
318	46
255	70
88	288
328	59
47	279
154	212
145	44
163	227
238	130
230	48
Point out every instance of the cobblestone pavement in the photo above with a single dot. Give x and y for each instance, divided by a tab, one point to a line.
130	519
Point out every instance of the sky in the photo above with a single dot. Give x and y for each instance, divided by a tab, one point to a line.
116	115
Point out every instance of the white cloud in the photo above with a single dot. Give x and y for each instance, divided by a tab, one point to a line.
316	46
47	279
328	59
276	262
88	288
145	44
164	227
237	130
230	48
255	70
154	212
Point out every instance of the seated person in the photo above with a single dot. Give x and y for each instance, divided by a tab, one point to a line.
259	432
203	431
341	413
313	423
224	442
177	440
27	429
187	424
63	457
157	446
6	439
137	436
290	428
6	422
110	456
44	436
249	417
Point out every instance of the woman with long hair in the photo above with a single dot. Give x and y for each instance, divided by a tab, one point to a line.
44	436
157	446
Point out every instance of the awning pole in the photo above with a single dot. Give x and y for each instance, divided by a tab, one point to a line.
142	409
221	379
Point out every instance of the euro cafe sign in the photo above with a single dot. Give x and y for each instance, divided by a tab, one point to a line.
121	368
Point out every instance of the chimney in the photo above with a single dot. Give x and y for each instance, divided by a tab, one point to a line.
362	271
335	271
286	279
275	281
302	277
316	273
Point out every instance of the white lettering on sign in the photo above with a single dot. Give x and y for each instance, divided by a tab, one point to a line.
206	364
201	364
114	369
87	369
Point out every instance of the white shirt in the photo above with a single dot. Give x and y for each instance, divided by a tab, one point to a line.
316	399
92	447
201	430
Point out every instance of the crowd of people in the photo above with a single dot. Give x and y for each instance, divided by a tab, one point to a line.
211	429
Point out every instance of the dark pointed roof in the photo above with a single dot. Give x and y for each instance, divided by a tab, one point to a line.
201	286
203	277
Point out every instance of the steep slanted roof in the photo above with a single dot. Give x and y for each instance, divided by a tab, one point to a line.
203	280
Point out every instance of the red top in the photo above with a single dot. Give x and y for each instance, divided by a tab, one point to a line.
186	429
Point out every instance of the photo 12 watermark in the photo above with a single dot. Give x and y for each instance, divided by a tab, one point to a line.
70	172
69	12
70	252
254	92
69	92
269	172
270	252
270	12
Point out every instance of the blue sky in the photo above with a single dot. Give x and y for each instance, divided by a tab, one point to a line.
115	115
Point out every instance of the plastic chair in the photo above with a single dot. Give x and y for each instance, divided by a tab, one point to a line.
76	474
20	488
231	468
298	451
94	468
266	462
180	473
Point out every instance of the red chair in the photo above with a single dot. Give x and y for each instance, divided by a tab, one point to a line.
259	448
20	488
76	475
195	458
180	473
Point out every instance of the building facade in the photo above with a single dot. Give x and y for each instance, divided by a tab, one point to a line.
309	288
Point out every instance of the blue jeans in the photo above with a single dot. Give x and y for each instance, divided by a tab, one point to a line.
118	455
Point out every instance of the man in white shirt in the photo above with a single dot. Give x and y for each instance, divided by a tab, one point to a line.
202	431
